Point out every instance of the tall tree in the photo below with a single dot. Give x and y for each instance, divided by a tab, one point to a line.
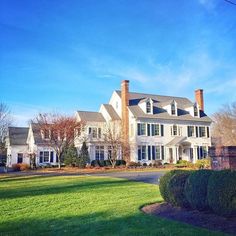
224	127
83	156
5	121
113	139
61	131
70	156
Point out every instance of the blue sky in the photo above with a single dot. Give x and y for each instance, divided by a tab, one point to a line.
64	56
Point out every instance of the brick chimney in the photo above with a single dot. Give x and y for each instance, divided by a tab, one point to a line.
125	115
199	98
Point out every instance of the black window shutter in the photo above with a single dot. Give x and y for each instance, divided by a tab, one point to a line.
148	129
139	154
201	152
188	131
90	130
57	158
153	153
197	131
162	153
162	130
149	152
41	157
51	156
139	129
198	152
208	132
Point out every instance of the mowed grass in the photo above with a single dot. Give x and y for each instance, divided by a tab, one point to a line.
82	205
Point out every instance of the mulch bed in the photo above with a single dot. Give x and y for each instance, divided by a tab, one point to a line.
193	217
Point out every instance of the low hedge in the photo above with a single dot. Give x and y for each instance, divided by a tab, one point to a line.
176	186
221	192
195	189
102	163
164	183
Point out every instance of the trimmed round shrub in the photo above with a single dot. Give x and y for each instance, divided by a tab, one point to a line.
176	189
221	192
195	189
95	163
120	162
145	164
164	183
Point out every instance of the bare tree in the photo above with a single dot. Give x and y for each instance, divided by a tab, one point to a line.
224	127
5	121
61	131
113	139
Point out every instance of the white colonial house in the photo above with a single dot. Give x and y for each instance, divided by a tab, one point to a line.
156	127
29	145
164	128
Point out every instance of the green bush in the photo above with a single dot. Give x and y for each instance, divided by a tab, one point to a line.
195	189
164	183
203	163
120	162
183	163
221	192
176	189
95	163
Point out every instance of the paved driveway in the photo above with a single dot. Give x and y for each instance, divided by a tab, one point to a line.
146	177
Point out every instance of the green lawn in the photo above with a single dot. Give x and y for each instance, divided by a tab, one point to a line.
79	205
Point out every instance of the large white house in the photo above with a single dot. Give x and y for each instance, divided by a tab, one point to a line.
164	128
156	127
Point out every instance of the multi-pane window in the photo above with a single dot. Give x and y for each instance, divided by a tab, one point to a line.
148	106
155	129
44	156
46	134
190	131
202	131
157	153
174	130
173	110
204	151
142	152
99	152
19	157
141	128
95	132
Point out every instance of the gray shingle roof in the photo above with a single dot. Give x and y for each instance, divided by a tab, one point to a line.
91	116
158	111
38	140
111	111
18	135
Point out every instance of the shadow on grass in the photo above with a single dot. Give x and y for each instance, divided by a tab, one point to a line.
70	186
100	223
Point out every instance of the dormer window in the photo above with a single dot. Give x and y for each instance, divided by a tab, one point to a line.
195	110
148	107
173	109
45	134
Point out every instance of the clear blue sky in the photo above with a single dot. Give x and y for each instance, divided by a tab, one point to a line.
68	55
